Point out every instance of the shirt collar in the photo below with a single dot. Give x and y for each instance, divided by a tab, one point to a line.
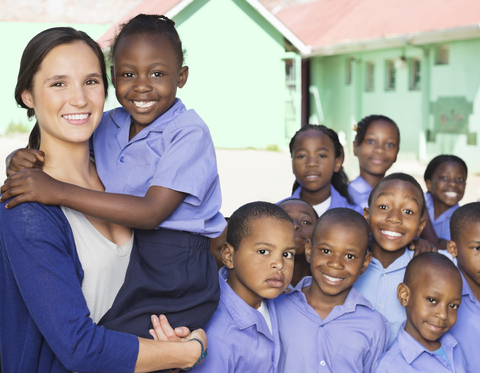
242	314
361	186
333	194
467	290
399	263
431	209
412	349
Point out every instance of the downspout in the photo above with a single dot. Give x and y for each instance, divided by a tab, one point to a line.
305	88
425	85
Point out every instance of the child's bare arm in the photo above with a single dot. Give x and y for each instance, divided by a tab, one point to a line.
24	158
136	212
429	234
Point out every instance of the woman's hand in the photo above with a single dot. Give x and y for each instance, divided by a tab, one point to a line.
31	185
162	331
24	158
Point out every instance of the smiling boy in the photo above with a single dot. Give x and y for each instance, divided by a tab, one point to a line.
431	293
324	323
396	206
465	246
258	257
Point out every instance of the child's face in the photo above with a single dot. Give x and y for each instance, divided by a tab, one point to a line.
467	252
337	257
313	160
146	74
262	265
394	216
304	219
379	148
447	185
431	304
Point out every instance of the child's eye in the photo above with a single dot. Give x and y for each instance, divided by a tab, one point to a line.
443	178
263	252
408	212
91	82
325	251
58	84
476	248
288	255
157	74
370	141
306	222
454	306
432	300
460	180
390	145
300	156
382	207
322	156
350	256
127	75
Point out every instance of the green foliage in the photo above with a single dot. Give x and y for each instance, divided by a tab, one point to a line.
18	127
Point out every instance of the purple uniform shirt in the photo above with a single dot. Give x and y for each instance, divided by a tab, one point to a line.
176	152
239	339
337	200
407	355
359	191
350	339
441	225
379	286
467	328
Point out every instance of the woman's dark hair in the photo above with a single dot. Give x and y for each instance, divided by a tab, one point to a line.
150	24
438	160
32	58
339	179
363	125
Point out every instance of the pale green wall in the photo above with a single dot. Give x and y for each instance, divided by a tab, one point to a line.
237	76
13	39
344	104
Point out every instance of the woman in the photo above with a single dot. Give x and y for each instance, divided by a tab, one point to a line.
44	265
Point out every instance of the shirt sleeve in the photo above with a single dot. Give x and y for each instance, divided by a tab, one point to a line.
220	358
379	345
188	163
39	247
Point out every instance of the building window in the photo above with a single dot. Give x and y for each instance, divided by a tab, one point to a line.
442	54
390	75
369	76
415	74
350	64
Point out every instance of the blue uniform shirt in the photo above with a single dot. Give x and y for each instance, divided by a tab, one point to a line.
379	286
407	355
176	152
467	328
350	339
441	225
359	191
239	339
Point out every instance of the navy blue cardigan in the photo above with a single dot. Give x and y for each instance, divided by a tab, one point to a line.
44	319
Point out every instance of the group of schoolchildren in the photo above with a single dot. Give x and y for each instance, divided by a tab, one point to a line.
330	279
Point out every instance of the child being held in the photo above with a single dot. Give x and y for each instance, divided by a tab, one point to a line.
258	255
304	218
431	292
395	216
465	247
445	177
376	145
317	158
325	324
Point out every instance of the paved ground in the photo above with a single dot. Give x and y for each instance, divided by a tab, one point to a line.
253	175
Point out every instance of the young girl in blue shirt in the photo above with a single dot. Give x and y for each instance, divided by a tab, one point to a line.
157	162
376	145
317	158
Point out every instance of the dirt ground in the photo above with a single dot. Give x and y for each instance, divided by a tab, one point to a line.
258	175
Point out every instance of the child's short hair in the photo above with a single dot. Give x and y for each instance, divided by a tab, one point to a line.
239	224
362	126
429	259
151	24
469	213
346	217
438	160
403	177
298	200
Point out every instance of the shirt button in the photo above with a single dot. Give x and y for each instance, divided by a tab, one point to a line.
322	363
122	159
380	304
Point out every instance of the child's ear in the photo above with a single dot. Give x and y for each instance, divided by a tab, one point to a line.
27	98
227	255
112	76
182	77
421	225
338	164
452	248
366	214
308	250
428	183
366	261
403	294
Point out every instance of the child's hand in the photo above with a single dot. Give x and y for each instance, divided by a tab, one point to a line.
421	246
24	158
32	185
162	331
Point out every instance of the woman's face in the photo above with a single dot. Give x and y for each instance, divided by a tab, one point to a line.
68	94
